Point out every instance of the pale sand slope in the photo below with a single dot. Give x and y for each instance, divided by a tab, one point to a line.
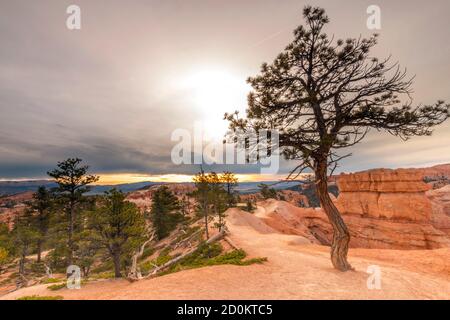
295	270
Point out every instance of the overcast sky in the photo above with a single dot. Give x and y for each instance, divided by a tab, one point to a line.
113	92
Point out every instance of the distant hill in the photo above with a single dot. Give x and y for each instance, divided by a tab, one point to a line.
16	187
252	187
243	187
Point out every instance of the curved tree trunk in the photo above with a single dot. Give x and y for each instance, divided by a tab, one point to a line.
135	272
341	235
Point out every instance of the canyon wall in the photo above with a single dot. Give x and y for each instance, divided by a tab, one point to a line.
391	209
396	195
386	209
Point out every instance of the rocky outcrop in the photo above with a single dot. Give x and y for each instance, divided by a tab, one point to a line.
441	170
440	203
365	232
13	206
293	197
396	195
143	198
388	209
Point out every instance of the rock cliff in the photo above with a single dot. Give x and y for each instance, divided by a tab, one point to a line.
389	209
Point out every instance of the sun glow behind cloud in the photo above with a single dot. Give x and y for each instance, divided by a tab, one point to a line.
216	91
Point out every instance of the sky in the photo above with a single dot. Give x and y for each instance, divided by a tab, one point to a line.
113	92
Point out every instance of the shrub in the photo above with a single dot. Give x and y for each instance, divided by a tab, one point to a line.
41	298
104	275
51	280
3	256
210	255
56	287
38	268
105	266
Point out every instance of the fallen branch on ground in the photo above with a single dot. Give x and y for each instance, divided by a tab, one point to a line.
155	271
231	243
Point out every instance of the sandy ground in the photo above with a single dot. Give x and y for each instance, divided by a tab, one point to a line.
295	270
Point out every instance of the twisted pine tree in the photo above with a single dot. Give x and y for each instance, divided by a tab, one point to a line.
323	95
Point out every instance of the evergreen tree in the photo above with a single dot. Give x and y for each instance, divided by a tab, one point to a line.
323	95
5	238
87	249
73	182
266	192
201	194
4	255
41	205
218	198
118	226
185	206
24	235
163	214
249	206
6	248
211	198
230	183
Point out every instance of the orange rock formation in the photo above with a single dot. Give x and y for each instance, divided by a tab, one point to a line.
389	209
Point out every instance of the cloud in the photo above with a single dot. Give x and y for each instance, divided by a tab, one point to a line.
108	93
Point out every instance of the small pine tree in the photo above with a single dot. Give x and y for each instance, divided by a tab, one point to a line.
249	207
163	214
24	236
5	238
266	192
41	206
219	198
230	183
211	198
201	194
73	182
4	255
118	226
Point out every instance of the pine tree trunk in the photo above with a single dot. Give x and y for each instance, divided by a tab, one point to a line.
22	262
70	238
206	222
341	235
39	251
116	259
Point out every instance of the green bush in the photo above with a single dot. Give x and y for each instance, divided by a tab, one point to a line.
41	298
3	256
51	280
38	267
162	258
147	266
104	267
148	251
210	255
104	275
56	287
